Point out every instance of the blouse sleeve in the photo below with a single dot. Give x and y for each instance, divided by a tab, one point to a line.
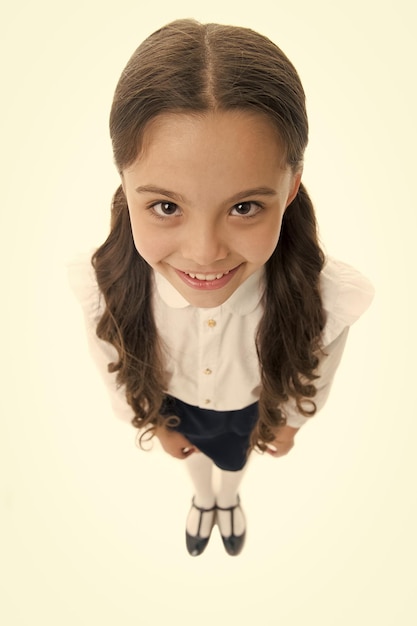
84	286
346	295
328	365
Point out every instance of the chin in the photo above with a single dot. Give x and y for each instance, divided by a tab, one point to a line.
208	299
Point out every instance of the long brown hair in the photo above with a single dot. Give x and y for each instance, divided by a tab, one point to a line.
187	66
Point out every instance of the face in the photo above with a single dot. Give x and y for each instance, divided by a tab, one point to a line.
206	198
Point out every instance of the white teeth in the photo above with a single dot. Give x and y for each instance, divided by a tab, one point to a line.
207	276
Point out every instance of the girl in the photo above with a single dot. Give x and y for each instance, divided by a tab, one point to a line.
220	320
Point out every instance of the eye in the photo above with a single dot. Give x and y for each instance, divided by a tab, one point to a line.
164	209
246	209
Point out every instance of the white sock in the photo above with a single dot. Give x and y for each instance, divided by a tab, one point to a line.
226	497
200	469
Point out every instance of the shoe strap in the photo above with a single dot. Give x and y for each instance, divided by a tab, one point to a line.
231	509
201	511
199	508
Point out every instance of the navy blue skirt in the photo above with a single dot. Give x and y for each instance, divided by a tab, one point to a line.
221	435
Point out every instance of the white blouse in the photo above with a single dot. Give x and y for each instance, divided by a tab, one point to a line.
210	353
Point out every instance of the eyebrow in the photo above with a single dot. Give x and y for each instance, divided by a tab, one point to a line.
256	191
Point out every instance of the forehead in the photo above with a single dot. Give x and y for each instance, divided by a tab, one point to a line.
222	136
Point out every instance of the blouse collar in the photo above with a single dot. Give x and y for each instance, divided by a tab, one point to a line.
243	301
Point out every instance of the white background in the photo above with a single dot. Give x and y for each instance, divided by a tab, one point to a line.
92	528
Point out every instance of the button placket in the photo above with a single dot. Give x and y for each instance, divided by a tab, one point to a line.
209	344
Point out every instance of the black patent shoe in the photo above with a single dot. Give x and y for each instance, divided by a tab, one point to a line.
234	543
196	544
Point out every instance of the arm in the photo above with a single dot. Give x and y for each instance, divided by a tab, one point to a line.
284	440
173	442
84	287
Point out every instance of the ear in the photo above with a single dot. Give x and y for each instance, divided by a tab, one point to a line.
296	181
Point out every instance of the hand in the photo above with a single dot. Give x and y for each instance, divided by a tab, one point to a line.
283	441
174	443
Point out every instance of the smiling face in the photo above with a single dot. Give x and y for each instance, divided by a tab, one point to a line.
206	198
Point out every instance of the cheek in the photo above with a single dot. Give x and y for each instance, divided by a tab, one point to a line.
262	243
143	243
151	244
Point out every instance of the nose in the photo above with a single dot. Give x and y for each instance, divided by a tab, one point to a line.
204	243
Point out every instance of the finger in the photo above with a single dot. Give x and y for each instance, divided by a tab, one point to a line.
271	449
276	451
272	452
187	450
179	454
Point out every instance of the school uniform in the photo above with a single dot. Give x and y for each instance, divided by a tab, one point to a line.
210	354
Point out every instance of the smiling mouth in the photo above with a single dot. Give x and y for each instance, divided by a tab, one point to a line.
207	276
207	281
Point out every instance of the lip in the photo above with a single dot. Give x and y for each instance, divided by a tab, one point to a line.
207	285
